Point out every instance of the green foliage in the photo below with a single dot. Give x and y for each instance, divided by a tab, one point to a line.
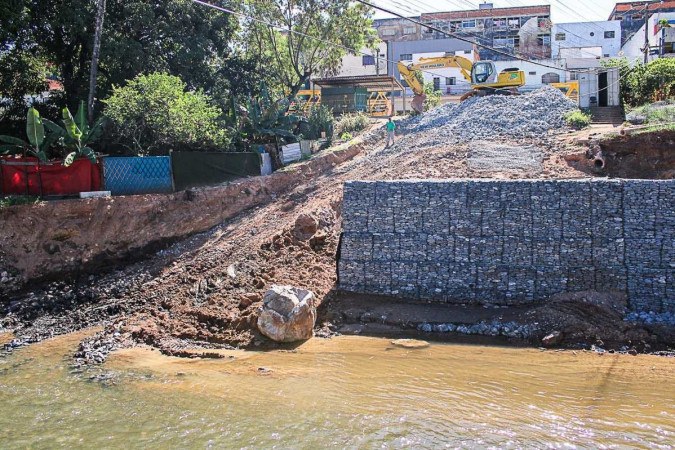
76	136
433	96
319	120
157	112
346	136
179	37
21	73
656	113
645	83
12	200
36	145
578	119
262	121
351	123
291	58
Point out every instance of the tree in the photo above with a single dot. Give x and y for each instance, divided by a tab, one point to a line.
645	83
312	37
156	112
141	36
98	31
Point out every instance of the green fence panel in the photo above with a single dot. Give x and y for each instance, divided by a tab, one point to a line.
194	169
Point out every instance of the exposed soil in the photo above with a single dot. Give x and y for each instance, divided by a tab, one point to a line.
642	156
205	291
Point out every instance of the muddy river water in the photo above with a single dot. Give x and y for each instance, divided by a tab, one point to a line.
352	392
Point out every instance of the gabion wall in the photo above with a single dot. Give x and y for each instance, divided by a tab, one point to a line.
510	242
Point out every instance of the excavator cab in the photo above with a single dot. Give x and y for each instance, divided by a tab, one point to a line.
483	72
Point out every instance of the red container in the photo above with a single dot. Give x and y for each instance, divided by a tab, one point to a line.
28	176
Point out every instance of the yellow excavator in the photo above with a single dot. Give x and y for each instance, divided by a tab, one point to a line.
482	75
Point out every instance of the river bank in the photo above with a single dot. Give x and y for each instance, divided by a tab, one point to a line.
206	291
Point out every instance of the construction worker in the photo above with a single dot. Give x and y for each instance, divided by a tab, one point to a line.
391	132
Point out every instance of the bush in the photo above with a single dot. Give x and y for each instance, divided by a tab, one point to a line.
645	83
319	120
155	112
351	123
655	113
346	136
578	119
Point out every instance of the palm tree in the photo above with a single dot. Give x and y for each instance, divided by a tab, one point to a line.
98	30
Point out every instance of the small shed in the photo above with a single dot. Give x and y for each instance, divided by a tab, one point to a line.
359	93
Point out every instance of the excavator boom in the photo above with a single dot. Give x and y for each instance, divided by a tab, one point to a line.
482	75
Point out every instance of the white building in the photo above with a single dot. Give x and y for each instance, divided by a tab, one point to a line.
366	62
586	39
659	39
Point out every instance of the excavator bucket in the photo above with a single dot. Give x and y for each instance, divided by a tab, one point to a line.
418	103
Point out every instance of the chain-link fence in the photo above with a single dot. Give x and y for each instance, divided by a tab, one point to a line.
137	175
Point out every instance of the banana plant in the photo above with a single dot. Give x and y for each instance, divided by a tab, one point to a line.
76	134
37	143
267	120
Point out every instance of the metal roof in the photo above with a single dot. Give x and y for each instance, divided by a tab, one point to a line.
370	82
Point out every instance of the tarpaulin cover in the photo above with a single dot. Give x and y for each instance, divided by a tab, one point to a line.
28	176
192	169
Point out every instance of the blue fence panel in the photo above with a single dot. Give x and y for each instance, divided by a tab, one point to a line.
137	175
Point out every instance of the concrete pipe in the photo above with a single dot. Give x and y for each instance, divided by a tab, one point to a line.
599	161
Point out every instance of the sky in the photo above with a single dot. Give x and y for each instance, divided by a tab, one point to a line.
562	11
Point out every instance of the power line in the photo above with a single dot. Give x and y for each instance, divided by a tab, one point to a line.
350	50
454	35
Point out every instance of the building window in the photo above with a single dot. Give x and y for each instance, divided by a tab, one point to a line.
409	30
469	23
450	81
514	24
532	73
437	84
544	39
560	36
609	34
368	60
550	77
637	17
428	30
606	55
405	57
388	32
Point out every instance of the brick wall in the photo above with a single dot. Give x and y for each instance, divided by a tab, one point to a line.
510	242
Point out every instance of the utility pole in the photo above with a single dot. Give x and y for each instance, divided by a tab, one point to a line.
646	14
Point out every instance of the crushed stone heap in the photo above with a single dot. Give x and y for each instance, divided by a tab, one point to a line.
530	115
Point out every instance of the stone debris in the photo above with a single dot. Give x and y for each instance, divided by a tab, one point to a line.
493	328
288	314
485	156
528	116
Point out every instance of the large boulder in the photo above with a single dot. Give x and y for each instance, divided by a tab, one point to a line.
288	314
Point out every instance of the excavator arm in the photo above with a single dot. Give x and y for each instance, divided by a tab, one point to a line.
409	74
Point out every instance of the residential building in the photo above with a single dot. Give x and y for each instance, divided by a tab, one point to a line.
524	30
366	62
632	15
661	40
586	39
397	29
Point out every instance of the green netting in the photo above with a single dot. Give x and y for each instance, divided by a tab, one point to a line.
193	169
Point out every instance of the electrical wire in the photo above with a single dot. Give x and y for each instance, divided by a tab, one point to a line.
350	50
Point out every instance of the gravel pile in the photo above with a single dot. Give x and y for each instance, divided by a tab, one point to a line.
485	156
528	116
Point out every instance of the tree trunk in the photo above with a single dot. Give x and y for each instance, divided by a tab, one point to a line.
100	14
296	87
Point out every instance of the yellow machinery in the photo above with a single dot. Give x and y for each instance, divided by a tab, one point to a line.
379	105
304	100
570	89
482	75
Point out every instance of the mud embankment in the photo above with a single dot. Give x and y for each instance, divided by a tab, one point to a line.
50	239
